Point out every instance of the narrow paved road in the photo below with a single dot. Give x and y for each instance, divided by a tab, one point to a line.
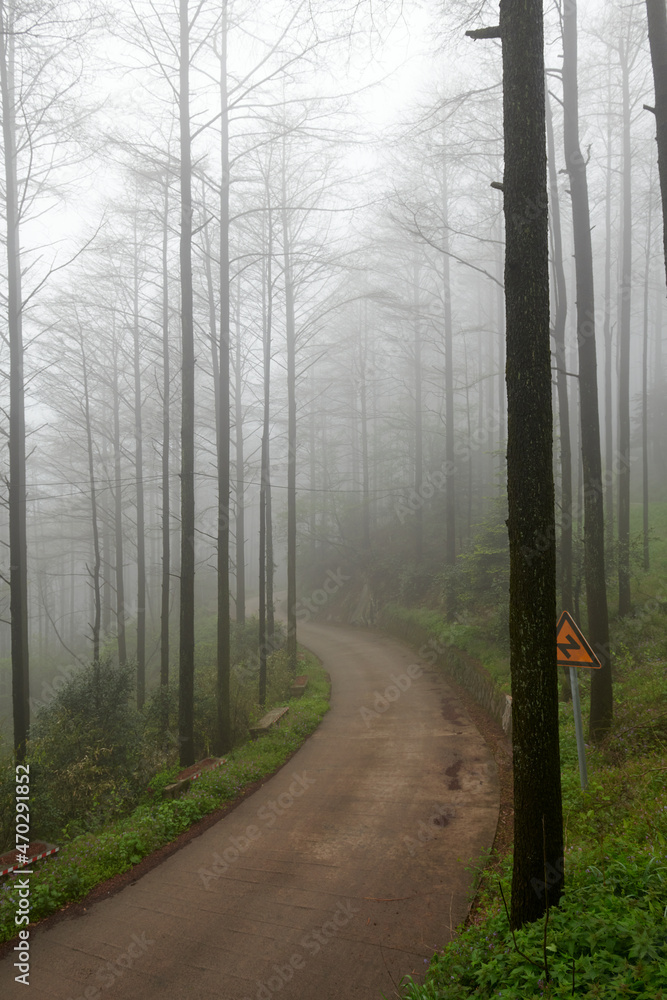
338	876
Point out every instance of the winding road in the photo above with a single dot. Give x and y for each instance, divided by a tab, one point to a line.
341	874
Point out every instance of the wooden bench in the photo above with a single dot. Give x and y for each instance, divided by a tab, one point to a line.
14	860
188	774
271	718
299	686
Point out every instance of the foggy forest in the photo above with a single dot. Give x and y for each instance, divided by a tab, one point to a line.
329	327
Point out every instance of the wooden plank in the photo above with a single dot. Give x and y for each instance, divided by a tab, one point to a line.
14	860
270	719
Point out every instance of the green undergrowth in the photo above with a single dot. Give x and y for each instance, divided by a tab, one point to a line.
91	858
608	936
424	626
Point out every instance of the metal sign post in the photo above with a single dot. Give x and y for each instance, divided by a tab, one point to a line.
578	727
573	652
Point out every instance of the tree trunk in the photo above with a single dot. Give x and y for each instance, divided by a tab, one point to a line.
363	418
165	589
290	334
419	457
624	599
450	482
560	356
240	486
118	514
538	821
186	668
657	33
222	741
647	275
265	568
607	337
139	476
594	563
18	546
94	572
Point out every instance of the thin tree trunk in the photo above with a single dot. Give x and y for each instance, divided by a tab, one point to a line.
363	417
560	359
624	598
450	482
418	441
118	514
18	545
265	566
608	347
240	486
594	562
560	320
139	476
223	722
290	334
645	476
97	555
165	590
187	603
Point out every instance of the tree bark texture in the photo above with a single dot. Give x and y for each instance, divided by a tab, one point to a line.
656	12
186	666
18	545
594	559
538	822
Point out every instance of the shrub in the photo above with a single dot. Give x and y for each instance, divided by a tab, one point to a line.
85	752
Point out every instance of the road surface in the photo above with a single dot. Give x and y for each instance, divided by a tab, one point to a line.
342	873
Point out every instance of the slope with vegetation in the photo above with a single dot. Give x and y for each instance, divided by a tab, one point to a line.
98	767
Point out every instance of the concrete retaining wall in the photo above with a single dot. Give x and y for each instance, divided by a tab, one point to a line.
457	664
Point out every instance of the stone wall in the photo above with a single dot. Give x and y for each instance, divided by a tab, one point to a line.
458	665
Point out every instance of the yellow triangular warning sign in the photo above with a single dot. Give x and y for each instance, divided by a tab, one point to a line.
573	650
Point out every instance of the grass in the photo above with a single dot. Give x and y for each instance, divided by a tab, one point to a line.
91	858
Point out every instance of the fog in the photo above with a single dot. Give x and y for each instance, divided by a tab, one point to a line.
363	246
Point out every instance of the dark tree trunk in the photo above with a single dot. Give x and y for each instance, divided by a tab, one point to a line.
165	589
18	546
118	515
222	741
624	599
290	334
363	419
450	483
645	477
594	562
418	441
538	821
608	344
265	561
657	33
186	667
560	358
93	571
240	461
139	476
